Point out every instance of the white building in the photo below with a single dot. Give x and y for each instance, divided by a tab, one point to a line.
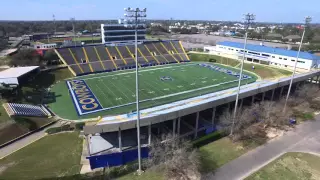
265	55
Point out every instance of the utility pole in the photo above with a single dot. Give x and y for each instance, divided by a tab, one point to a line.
306	23
73	30
136	14
249	18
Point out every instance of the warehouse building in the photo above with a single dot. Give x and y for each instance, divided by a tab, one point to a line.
265	55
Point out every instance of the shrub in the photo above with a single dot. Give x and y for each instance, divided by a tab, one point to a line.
58	129
254	134
212	60
208	138
79	126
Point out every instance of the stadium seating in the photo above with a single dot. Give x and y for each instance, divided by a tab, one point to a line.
101	58
178	47
145	52
14	109
156	53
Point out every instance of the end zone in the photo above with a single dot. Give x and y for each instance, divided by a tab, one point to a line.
83	98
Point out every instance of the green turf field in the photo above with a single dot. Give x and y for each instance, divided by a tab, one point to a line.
116	91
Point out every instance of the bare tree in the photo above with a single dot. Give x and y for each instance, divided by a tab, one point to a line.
244	118
308	92
179	160
272	114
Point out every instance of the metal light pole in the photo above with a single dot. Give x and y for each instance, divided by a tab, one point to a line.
249	18
135	14
307	21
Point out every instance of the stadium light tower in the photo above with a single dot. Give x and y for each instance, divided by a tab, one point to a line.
249	18
136	14
54	24
73	30
307	22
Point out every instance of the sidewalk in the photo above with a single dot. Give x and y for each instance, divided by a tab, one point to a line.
305	138
15	146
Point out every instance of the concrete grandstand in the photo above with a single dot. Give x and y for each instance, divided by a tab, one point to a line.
101	58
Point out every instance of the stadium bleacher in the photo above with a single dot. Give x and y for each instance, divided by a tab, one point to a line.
101	58
14	109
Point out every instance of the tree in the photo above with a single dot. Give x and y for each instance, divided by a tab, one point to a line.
50	56
177	157
214	28
194	30
309	34
175	30
185	31
26	57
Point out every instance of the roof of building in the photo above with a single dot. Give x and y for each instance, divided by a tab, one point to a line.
16	72
270	50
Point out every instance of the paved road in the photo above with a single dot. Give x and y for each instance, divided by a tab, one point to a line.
305	138
7	150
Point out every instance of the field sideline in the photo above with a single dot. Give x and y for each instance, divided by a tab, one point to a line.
115	92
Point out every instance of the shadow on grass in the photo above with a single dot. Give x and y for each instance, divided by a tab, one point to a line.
207	164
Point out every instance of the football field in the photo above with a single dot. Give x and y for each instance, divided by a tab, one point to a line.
115	92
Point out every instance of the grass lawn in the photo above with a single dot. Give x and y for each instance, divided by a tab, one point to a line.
264	71
3	114
148	175
220	152
89	38
52	156
290	166
213	156
29	93
115	91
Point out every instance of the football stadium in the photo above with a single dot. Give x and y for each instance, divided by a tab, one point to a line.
113	92
176	95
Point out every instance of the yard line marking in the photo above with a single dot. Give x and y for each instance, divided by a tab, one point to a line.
120	90
105	95
109	89
166	96
128	88
153	87
159	86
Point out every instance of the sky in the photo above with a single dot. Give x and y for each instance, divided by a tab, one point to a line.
226	10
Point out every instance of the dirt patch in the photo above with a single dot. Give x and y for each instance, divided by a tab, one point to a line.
3	167
273	133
